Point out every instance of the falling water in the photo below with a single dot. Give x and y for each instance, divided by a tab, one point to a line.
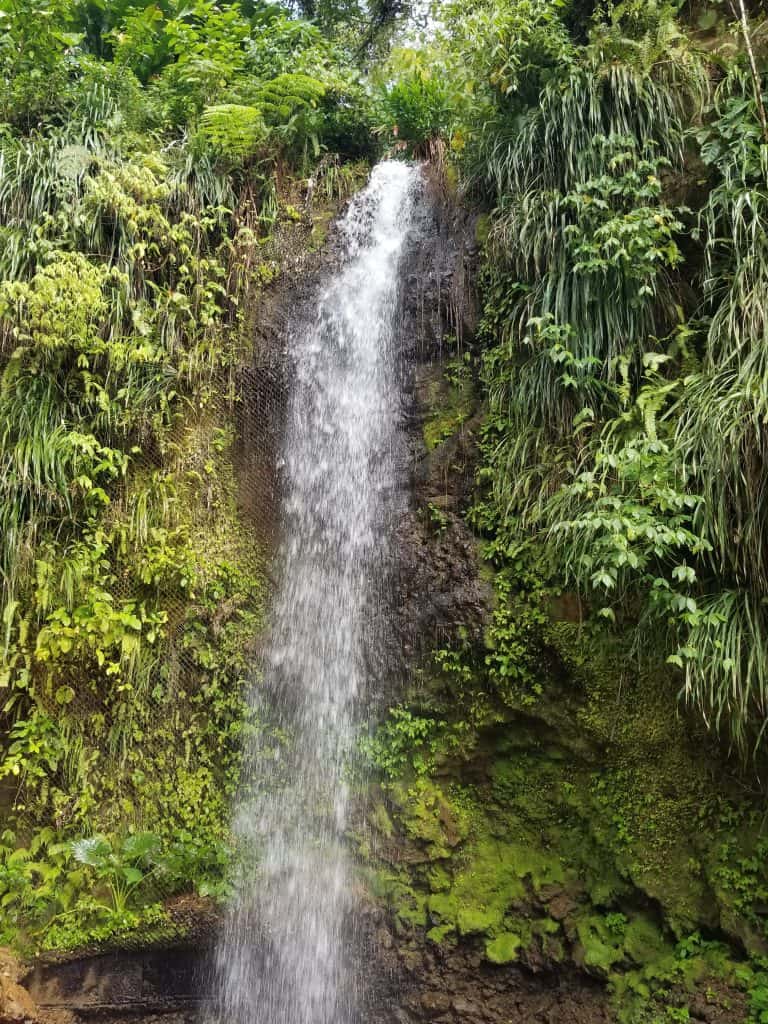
283	955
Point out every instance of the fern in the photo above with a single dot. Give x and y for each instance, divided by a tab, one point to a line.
233	131
288	95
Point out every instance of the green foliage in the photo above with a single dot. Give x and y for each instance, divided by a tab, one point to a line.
232	130
626	520
755	981
107	734
122	870
288	95
596	255
290	104
145	152
35	37
94	889
415	110
511	643
409	742
622	335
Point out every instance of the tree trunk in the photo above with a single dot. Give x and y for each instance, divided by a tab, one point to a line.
740	11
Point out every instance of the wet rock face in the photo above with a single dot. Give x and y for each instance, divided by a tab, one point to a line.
464	992
161	984
420	984
436	586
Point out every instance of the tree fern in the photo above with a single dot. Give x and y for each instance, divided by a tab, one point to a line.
233	131
287	95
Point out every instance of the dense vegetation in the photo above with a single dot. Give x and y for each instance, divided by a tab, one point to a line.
151	157
615	155
605	734
621	152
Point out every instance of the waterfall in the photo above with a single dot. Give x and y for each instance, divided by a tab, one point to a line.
282	957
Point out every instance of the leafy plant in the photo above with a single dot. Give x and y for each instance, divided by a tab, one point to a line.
415	111
232	130
121	870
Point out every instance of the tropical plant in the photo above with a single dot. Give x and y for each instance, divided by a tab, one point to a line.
233	131
623	342
146	153
415	111
122	869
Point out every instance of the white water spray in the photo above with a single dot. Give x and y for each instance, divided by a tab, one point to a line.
283	954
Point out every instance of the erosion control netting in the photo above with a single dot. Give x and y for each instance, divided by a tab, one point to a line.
233	514
211	493
223	463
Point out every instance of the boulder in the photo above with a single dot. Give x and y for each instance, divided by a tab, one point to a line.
16	1004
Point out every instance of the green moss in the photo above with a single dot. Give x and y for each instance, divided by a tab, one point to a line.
653	780
428	816
381	820
289	211
406	903
482	228
451	179
438	879
443	907
597	948
411	908
321	222
643	942
641	995
492	878
503	949
589	804
452	402
473	920
440	934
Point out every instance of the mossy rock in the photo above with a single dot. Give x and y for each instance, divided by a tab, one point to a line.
438	878
381	820
443	908
493	878
596	799
602	943
440	934
597	949
406	903
644	942
504	948
477	921
451	406
429	817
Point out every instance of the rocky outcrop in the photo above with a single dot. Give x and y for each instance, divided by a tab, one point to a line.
16	1004
163	984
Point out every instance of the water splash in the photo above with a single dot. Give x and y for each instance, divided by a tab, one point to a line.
281	956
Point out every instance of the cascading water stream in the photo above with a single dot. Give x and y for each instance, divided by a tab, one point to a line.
282	957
